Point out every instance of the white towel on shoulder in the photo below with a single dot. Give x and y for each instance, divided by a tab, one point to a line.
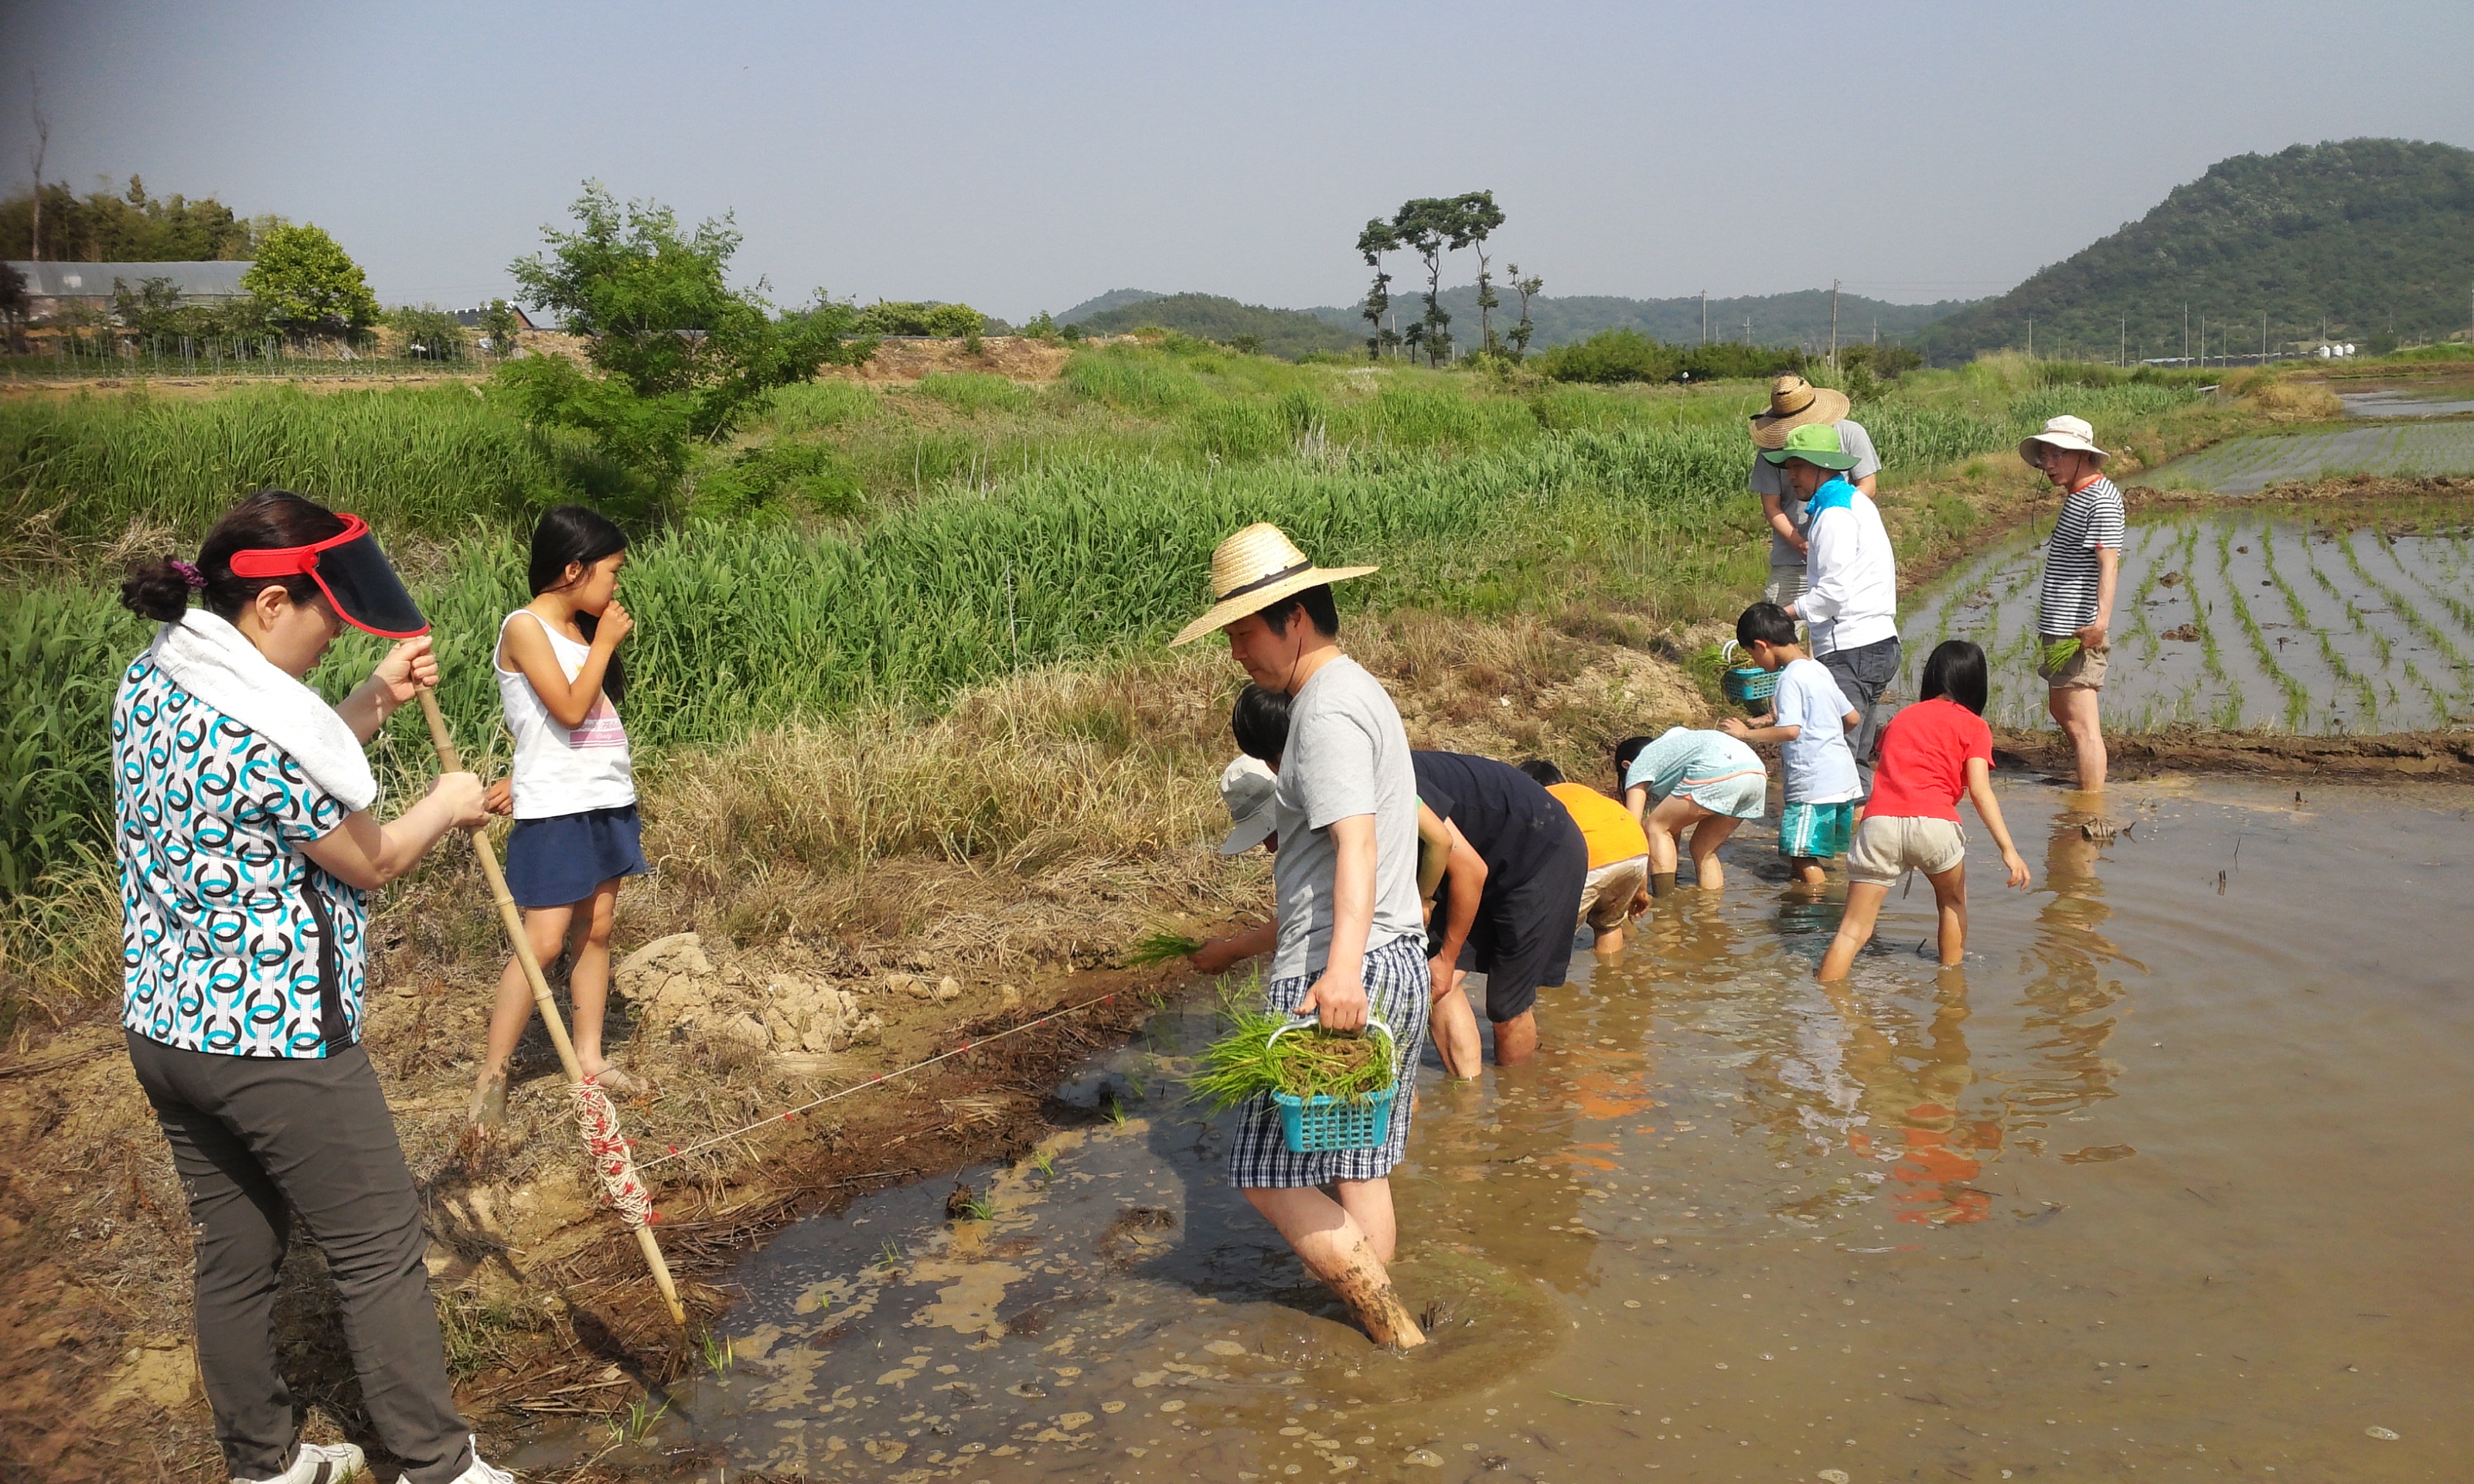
215	663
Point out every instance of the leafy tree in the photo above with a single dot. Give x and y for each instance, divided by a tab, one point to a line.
1378	239
499	324
937	320
1042	327
1245	345
153	308
427	333
308	282
681	355
1526	288
1431	226
123	225
13	304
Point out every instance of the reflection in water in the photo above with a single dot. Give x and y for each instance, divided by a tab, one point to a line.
1731	1224
1914	1096
2071	1003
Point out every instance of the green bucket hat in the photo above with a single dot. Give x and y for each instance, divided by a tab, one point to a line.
1814	443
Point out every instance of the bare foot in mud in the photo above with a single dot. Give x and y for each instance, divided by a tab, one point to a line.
618	1084
487	1113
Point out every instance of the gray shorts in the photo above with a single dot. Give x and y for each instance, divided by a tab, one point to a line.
1886	848
1785	586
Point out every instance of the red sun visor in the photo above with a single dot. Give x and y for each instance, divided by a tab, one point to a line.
353	573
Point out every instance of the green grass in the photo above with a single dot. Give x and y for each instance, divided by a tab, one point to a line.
861	546
431	461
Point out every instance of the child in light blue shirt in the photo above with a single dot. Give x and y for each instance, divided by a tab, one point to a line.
1809	719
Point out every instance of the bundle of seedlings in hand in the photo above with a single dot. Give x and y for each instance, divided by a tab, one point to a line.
2060	652
1309	1061
1159	949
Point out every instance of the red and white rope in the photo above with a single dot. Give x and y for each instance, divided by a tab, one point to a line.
613	1157
679	1151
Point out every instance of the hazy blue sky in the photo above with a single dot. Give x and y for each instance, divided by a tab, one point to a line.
1025	157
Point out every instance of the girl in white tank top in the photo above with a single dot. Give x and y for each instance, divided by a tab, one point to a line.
572	789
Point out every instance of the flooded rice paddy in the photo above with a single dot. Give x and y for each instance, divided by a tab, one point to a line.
2251	462
2281	619
2168	1180
2447	399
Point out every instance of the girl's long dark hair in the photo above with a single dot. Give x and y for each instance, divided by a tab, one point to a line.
1956	669
571	533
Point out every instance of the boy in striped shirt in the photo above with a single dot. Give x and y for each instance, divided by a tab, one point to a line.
2075	600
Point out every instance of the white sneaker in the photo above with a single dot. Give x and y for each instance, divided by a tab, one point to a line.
320	1463
481	1472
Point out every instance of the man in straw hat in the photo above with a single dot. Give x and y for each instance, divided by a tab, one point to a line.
1352	939
1795	403
2074	600
1850	598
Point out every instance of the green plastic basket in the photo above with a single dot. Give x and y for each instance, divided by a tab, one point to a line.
1324	1124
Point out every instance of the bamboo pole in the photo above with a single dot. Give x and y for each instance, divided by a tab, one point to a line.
512	921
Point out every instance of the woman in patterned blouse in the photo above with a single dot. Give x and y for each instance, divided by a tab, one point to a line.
243	827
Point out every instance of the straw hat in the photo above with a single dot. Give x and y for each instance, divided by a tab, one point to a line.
1795	402
2063	432
1254	569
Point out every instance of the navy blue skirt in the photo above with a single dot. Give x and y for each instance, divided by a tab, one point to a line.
562	859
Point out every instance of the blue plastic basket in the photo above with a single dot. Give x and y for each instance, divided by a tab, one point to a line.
1321	1123
1746	683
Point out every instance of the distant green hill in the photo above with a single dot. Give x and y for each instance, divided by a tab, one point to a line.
1798	318
2370	237
1102	304
1283	332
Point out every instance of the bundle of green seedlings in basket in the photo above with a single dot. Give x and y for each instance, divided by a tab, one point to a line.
1306	1061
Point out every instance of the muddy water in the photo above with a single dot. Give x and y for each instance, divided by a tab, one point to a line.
2170	1177
2267	618
2247	465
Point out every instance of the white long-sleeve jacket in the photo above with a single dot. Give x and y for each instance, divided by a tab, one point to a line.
1852	596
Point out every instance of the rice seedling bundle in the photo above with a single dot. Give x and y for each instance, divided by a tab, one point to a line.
1255	1059
1159	948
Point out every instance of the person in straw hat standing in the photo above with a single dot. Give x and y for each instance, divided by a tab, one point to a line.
2074	600
1794	403
1352	938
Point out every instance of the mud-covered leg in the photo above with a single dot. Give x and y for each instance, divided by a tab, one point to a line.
1335	1249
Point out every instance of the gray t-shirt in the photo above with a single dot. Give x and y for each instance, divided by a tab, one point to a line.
1346	755
1768	478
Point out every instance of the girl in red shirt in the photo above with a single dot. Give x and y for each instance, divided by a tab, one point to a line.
1931	753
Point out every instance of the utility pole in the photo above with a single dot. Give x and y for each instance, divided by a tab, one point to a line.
35	155
1705	317
2123	359
2031	337
2186	334
1833	324
2262	339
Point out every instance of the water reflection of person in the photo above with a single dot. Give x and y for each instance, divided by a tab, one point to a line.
1914	1095
2071	985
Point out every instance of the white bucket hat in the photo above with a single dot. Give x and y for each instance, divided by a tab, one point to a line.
2063	432
1246	786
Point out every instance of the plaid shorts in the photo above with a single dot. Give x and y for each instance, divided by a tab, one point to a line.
1816	830
1398	992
